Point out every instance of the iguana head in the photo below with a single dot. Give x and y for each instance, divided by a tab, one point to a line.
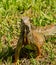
26	21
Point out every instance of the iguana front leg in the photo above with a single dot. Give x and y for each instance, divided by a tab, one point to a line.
18	48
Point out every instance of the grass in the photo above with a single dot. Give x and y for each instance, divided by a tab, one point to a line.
43	13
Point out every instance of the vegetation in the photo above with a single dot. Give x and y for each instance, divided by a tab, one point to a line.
11	11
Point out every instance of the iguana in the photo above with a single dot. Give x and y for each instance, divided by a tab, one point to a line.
29	35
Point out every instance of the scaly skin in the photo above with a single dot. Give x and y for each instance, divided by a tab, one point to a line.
38	41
